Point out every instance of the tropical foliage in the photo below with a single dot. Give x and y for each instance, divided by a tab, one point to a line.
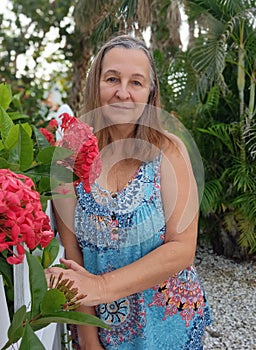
222	63
25	150
210	86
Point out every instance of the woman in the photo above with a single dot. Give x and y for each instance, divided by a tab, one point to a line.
136	231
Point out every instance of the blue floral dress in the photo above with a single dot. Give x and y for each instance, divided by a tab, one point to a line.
116	229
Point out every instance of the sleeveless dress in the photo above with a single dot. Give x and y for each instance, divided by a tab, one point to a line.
116	229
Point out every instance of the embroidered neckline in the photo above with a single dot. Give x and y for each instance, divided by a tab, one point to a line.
114	194
136	175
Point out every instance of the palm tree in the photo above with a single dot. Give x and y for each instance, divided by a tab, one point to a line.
220	87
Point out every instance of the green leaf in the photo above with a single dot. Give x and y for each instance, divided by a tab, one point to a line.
16	329
18	116
5	123
38	285
44	201
5	95
25	149
45	155
39	170
44	184
56	172
6	271
27	128
61	173
52	301
4	164
70	317
41	141
16	101
50	253
30	340
12	137
53	154
60	265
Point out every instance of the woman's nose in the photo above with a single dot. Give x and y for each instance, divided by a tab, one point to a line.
123	92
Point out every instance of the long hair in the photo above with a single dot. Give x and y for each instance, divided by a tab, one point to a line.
149	127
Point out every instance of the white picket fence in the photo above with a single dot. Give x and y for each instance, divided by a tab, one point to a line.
4	318
52	336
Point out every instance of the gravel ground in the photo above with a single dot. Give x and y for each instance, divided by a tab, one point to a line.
231	292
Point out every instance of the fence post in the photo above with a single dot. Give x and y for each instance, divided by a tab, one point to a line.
4	318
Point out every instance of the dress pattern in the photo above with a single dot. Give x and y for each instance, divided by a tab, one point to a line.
181	294
116	229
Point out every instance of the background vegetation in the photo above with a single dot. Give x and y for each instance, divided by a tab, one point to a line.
209	84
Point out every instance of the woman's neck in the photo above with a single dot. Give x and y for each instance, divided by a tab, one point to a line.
121	131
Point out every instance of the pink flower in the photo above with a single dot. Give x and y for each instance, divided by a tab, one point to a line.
22	220
85	160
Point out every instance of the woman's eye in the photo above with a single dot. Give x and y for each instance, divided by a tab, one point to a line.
111	79
137	83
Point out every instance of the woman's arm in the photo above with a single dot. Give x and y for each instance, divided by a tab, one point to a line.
180	200
64	216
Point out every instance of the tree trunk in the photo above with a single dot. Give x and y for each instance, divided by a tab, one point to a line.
225	241
77	95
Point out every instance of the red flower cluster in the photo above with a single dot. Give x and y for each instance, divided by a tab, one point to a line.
48	135
49	131
22	219
85	160
53	125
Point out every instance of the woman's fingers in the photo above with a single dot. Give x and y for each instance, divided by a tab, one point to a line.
87	284
70	264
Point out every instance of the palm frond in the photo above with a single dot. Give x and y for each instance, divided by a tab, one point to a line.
249	136
242	226
208	56
247	238
222	132
229	6
211	197
246	221
219	22
242	174
85	13
241	16
247	204
211	103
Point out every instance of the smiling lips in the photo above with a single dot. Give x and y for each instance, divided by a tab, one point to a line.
123	106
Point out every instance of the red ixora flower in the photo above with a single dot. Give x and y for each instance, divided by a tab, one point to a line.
53	124
85	160
22	220
48	135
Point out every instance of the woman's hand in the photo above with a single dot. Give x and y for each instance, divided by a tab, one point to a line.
89	285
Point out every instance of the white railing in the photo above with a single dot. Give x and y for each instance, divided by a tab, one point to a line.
51	336
4	317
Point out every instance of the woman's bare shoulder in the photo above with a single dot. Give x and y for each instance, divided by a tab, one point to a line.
174	146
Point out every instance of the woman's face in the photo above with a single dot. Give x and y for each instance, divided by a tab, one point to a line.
124	84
